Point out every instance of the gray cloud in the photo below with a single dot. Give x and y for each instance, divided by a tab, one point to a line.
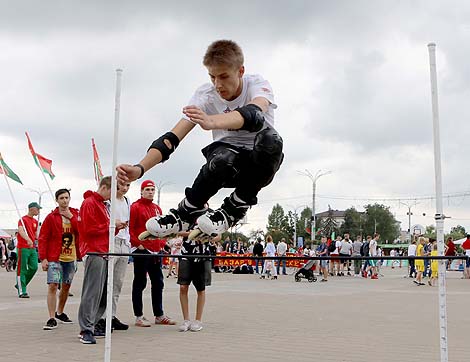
351	80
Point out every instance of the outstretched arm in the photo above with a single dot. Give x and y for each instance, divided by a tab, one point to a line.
237	119
128	173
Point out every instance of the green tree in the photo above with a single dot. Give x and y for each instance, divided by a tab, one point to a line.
278	224
378	218
255	234
430	231
328	225
352	222
457	232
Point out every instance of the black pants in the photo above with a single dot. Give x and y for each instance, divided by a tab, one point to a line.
412	267
152	266
229	166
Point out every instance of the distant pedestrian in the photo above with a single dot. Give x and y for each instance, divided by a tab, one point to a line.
282	251
356	252
27	254
419	263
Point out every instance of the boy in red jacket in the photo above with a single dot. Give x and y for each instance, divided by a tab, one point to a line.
59	252
142	210
466	247
94	237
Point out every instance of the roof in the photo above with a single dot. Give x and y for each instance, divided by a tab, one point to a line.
334	213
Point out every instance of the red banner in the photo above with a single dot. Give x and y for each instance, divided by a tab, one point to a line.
290	263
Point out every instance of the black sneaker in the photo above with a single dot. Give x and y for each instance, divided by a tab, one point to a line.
87	338
118	325
100	329
63	318
99	333
50	324
24	295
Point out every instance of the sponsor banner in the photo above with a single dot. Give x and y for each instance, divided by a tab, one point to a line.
290	263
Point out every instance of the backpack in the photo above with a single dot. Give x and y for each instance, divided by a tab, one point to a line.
11	245
332	246
365	249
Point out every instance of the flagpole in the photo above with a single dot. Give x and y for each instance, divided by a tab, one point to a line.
18	282
48	186
38	163
112	222
439	217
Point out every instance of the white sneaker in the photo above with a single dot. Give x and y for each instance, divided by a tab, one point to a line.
196	326
142	322
213	223
161	226
185	326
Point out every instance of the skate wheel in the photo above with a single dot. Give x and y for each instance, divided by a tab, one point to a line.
144	235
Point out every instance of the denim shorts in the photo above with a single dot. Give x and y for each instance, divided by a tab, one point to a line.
61	272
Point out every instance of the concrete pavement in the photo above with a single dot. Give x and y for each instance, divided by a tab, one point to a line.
346	319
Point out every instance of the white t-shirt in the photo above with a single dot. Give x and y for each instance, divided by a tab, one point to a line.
270	249
412	250
122	214
345	247
208	100
373	248
281	248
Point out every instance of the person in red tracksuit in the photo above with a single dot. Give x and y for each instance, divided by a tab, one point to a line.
142	210
94	237
58	245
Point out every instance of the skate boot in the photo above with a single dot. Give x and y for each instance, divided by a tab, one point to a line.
216	222
177	220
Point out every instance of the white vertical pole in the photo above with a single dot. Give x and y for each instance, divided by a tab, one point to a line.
439	212
18	283
112	222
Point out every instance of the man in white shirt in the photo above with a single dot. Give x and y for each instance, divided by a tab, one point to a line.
121	245
246	153
373	252
345	249
282	251
411	261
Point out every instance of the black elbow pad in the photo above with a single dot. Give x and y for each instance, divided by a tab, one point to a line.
253	117
160	145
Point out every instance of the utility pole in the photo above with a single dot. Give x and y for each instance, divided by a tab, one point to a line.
314	185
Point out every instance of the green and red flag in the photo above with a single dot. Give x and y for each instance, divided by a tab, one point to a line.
4	169
96	163
44	164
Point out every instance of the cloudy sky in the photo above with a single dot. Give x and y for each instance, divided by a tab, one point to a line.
351	79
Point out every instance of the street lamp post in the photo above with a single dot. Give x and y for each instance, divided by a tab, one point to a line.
409	213
314	186
40	193
159	187
295	221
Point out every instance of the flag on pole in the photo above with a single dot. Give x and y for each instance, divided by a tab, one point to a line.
4	169
44	164
96	163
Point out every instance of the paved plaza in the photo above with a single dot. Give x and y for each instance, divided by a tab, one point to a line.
346	319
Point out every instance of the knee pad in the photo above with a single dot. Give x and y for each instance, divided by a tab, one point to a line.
267	150
223	163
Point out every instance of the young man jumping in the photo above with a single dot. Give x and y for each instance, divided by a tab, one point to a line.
246	153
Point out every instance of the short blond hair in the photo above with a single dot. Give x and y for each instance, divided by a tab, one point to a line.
224	52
